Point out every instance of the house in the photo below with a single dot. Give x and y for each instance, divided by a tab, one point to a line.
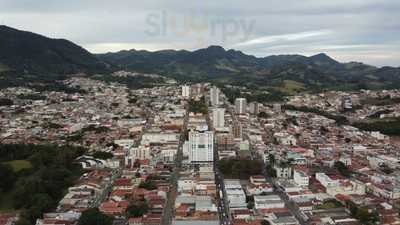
268	202
235	193
300	178
283	171
259	189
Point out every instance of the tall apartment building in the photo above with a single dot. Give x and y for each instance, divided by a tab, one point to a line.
240	105
186	91
254	108
218	117
201	147
225	142
237	129
214	96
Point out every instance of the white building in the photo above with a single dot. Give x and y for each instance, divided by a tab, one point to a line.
277	108
240	105
201	147
268	202
126	143
254	108
283	171
235	193
214	96
205	204
185	91
141	152
300	178
219	118
326	181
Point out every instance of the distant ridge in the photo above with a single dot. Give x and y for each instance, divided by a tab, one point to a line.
26	52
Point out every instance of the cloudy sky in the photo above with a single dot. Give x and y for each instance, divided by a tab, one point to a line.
348	30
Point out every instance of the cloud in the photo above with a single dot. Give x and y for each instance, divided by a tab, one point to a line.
362	30
283	38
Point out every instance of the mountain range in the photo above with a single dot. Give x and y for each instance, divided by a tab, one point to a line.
28	53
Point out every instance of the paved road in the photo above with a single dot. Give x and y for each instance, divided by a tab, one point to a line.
168	213
289	204
222	200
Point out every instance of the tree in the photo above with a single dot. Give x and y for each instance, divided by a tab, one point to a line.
362	213
198	106
23	221
6	102
94	217
240	168
263	115
271	159
342	168
265	222
250	205
137	209
7	177
271	172
148	185
102	155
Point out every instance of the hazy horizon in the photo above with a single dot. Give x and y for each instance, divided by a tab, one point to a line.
363	31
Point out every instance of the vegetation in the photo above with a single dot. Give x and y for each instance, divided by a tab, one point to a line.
389	126
58	87
148	185
289	74
330	204
6	102
265	222
32	97
78	135
271	95
133	82
94	217
8	177
137	209
387	100
96	129
340	119
271	172
18	165
240	169
362	214
51	125
198	106
263	115
292	87
36	189
41	55
102	155
342	169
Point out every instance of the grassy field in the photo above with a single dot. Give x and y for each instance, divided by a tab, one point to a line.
6	203
291	87
330	205
18	165
3	67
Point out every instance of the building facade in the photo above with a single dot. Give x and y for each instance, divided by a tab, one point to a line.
240	105
201	147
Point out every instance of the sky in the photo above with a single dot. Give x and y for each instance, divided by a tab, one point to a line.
348	30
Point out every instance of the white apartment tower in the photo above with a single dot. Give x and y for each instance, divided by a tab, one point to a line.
218	117
185	91
240	105
254	108
214	96
201	147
